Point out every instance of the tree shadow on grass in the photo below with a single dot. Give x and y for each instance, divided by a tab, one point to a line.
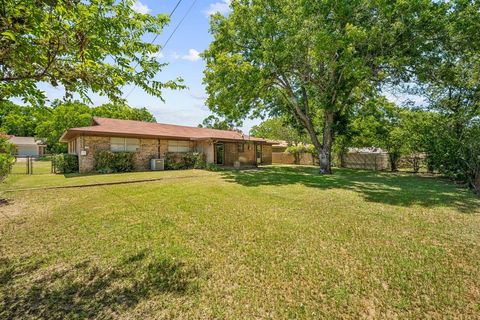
389	188
86	290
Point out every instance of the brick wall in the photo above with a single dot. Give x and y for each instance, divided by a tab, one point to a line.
92	144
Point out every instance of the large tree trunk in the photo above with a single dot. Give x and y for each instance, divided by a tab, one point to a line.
325	154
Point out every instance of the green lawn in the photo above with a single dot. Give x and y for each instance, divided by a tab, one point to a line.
281	242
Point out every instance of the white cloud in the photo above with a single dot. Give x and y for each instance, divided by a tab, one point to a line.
193	55
140	7
222	7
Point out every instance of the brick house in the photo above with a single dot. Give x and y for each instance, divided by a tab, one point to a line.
153	140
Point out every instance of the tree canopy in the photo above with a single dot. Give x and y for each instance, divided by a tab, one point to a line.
311	60
83	46
279	128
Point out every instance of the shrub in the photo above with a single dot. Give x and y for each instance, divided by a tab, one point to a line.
65	163
109	162
213	167
6	162
200	161
188	160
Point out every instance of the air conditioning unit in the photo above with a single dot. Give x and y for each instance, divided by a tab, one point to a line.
157	164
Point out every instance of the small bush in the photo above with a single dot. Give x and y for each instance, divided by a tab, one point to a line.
187	160
65	163
6	162
213	167
200	161
109	162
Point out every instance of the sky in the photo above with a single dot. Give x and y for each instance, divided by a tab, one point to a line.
183	107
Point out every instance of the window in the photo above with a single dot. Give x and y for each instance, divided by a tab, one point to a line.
178	146
72	147
124	144
241	147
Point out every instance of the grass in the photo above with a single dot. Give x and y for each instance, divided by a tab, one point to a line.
281	242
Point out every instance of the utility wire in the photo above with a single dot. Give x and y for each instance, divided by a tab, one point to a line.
168	39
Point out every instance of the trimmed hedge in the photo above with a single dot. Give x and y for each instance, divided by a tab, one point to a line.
65	163
187	160
110	162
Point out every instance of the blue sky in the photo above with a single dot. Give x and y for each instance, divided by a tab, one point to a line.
185	107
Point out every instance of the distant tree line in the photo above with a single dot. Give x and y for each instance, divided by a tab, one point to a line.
49	122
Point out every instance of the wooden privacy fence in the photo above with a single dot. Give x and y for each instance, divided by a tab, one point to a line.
366	161
287	158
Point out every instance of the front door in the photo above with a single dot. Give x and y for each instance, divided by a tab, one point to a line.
219	153
258	149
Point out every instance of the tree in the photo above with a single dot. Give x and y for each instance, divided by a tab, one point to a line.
278	128
309	60
214	122
449	78
20	120
63	116
121	111
379	123
80	45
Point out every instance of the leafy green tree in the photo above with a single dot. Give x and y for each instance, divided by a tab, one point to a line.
310	60
449	78
20	120
379	123
278	128
82	46
63	116
214	122
120	111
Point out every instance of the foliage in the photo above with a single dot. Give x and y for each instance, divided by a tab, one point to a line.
379	123
214	167
50	122
279	128
65	163
200	161
184	160
6	156
81	46
110	162
297	149
214	122
449	79
265	59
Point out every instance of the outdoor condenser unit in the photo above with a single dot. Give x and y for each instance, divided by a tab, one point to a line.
157	164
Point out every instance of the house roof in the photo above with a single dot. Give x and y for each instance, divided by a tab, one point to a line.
24	141
130	128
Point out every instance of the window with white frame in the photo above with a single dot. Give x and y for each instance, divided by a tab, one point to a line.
178	146
124	144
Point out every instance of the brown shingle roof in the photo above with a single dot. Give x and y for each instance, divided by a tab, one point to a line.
130	128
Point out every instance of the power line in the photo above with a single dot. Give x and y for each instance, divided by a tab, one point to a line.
169	38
